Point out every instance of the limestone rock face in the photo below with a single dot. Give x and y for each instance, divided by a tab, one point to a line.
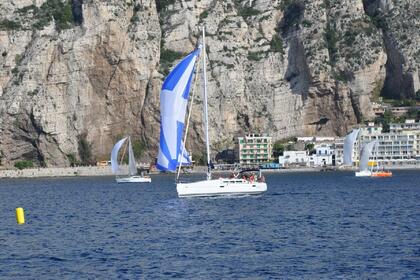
91	70
91	80
399	22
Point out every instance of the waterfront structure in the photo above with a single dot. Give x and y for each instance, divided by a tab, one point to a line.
399	147
255	149
294	158
338	148
323	156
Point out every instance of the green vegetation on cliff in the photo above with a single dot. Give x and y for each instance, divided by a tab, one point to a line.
23	164
59	11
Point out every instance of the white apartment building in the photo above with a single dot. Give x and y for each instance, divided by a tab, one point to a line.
255	149
398	147
323	156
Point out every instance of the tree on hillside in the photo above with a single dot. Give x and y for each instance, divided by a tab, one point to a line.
310	147
278	149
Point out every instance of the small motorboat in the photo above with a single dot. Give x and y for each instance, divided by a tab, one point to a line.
382	173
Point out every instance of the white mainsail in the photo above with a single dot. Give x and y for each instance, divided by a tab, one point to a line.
114	155
366	154
132	169
349	141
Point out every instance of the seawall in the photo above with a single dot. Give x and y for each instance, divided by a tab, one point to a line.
106	171
59	172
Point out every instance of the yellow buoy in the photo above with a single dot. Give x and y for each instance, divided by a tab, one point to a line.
20	216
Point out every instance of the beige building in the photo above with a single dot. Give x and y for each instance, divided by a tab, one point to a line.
400	146
255	149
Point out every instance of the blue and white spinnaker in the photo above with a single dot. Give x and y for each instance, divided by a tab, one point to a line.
173	107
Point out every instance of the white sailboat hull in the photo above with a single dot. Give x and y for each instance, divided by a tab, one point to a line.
220	187
133	179
364	173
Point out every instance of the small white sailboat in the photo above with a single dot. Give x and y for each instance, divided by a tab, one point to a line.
172	153
365	154
132	177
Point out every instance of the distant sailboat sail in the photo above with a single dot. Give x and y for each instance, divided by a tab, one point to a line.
132	169
348	146
366	154
114	155
173	106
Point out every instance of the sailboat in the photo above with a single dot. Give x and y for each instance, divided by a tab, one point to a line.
365	154
379	171
172	153
132	169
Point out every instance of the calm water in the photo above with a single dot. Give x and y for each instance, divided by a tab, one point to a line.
307	226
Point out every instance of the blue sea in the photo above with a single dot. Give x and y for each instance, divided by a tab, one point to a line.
315	225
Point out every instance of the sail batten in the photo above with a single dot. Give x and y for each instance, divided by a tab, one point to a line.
173	106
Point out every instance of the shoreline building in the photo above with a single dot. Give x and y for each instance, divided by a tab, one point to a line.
299	158
323	156
399	147
255	149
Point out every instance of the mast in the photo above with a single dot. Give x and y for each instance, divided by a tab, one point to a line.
206	122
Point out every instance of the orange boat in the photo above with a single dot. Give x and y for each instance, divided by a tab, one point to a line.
382	173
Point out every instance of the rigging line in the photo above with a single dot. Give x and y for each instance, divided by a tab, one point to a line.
189	115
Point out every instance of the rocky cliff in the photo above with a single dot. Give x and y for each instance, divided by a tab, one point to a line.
89	71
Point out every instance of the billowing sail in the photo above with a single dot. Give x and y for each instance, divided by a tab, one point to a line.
366	154
185	159
173	106
132	169
114	155
348	146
